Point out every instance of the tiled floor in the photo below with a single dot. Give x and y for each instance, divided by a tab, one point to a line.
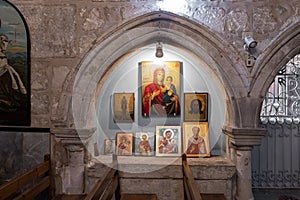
274	194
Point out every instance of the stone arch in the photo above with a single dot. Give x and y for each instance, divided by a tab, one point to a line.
147	29
281	50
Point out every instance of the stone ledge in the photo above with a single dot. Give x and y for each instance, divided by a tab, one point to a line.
165	189
216	187
150	167
150	174
214	168
244	137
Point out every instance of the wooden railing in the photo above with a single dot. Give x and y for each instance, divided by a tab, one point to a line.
108	185
191	191
37	180
29	184
190	187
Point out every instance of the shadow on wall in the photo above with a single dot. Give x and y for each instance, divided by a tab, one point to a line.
21	151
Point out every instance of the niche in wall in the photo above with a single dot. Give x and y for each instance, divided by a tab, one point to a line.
196	77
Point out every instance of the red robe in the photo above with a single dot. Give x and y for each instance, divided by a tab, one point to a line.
153	106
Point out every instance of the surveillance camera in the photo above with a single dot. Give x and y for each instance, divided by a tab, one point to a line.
250	42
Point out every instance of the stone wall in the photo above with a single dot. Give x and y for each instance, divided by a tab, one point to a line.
58	46
164	176
21	151
64	32
214	175
70	154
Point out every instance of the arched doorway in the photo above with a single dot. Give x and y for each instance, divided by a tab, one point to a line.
273	164
173	31
276	162
112	67
196	77
169	29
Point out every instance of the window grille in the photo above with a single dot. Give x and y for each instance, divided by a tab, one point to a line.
282	101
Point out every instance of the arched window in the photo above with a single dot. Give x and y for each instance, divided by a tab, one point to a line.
282	101
14	67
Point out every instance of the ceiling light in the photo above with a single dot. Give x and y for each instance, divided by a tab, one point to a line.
159	52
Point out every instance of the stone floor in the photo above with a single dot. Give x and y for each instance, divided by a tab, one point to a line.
276	194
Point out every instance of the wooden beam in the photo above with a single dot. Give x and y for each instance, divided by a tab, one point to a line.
111	188
189	179
37	189
102	184
16	184
186	189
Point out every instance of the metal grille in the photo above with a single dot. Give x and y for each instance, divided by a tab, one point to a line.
276	162
282	101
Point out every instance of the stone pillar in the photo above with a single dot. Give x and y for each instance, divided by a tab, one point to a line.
241	142
69	156
243	168
74	171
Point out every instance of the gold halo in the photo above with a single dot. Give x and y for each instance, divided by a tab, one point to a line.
141	136
164	134
203	103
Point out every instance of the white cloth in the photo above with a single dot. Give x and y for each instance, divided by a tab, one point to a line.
4	67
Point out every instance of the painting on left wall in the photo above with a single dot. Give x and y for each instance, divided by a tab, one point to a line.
14	67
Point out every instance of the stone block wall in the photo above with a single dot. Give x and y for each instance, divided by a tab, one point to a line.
214	175
164	177
21	151
58	46
69	158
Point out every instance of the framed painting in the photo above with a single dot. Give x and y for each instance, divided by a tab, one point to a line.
196	139
124	107
109	146
196	107
124	144
168	141
160	88
144	143
14	67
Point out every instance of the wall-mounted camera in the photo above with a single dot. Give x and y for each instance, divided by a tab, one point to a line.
249	43
249	46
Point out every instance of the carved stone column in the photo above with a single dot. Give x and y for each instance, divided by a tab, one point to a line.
241	142
70	154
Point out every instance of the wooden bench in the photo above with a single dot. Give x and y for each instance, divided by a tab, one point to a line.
138	197
191	191
29	184
69	197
